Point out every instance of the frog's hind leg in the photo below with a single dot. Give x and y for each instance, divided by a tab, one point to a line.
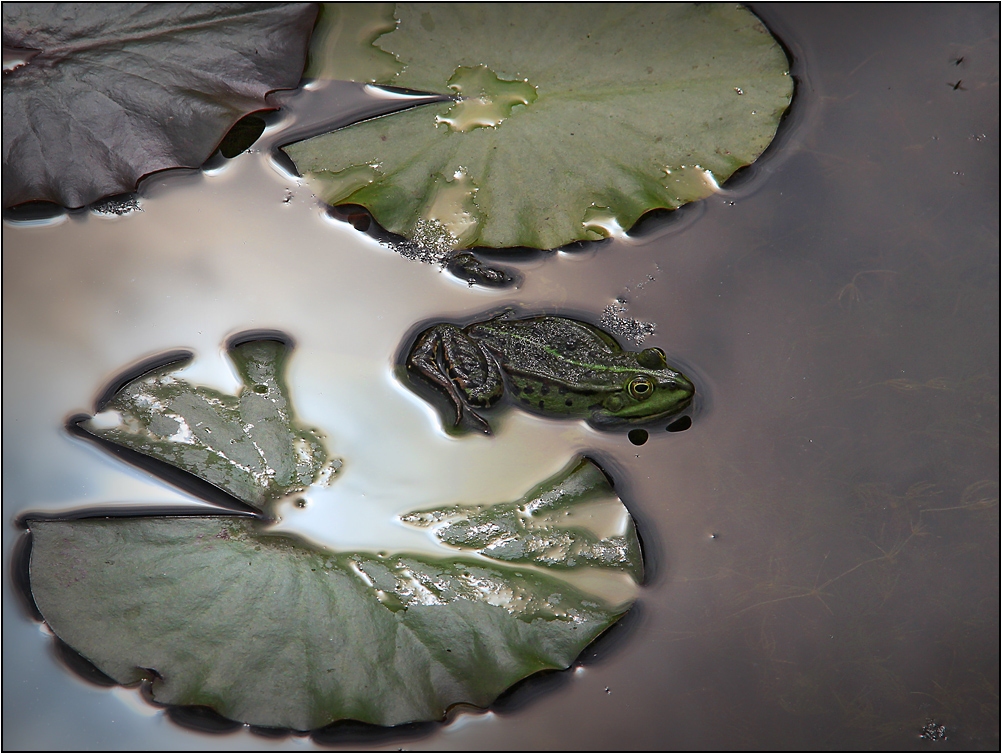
449	359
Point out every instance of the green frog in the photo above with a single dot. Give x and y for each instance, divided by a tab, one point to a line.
549	365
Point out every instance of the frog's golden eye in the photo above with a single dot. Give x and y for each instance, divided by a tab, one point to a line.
653	359
640	387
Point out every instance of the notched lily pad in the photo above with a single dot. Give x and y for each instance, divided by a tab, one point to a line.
107	93
249	445
540	528
570	121
267	630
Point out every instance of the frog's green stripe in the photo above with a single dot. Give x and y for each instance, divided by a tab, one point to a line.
597	367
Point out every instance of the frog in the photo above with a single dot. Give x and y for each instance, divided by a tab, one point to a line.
549	365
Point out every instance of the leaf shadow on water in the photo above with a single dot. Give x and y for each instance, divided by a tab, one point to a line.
19	575
82	668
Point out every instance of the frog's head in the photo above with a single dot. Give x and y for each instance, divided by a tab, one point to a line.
655	391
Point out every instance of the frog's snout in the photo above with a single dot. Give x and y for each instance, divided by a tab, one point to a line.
682	384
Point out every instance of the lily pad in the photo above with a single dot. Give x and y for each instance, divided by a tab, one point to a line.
248	445
270	631
537	528
107	93
342	44
569	120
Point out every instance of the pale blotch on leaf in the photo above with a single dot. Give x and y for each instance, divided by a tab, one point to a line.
601	222
334	186
690	179
342	44
451	206
485	100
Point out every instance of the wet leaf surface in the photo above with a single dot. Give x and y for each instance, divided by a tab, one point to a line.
249	445
269	631
108	93
570	121
536	528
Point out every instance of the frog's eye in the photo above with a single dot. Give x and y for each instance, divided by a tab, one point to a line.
653	359
640	387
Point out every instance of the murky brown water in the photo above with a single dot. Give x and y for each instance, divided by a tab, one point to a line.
822	544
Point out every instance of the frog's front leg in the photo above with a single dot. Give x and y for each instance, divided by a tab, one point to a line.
459	366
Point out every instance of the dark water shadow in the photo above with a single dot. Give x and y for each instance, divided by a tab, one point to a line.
36	212
79	666
201	718
176	358
20	575
260	334
663	220
341	733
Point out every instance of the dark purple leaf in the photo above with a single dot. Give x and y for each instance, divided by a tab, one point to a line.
97	95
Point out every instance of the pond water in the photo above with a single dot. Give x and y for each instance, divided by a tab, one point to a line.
822	545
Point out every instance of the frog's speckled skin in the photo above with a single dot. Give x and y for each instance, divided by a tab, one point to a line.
550	365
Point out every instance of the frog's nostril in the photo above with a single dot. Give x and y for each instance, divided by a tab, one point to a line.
682	385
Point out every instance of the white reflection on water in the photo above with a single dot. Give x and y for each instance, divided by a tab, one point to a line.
94	297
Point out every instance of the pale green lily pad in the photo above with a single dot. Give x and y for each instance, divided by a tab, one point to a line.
249	445
342	44
269	631
540	527
573	120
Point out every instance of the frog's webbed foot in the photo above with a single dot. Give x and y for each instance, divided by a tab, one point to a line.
460	367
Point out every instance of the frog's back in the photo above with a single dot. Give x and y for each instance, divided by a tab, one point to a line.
556	348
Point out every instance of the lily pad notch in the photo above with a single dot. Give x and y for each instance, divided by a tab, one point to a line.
570	121
244	451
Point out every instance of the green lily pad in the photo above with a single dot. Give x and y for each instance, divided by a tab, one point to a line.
536	528
249	445
570	120
342	45
270	631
